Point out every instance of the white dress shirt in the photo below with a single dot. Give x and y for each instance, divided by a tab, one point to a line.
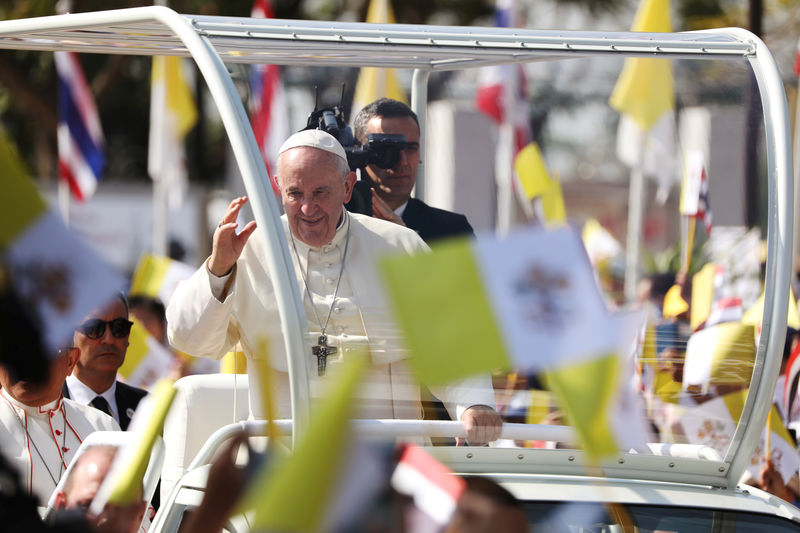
81	393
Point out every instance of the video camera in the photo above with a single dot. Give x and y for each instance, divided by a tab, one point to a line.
381	149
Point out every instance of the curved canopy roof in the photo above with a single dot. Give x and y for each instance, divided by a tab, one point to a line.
214	40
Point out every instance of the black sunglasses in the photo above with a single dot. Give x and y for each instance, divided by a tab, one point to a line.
95	328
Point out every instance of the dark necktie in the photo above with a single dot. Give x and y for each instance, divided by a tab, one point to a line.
100	403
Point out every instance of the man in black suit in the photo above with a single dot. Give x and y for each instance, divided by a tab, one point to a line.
390	193
102	339
390	189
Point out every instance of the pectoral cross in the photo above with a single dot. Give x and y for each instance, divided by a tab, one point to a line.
322	351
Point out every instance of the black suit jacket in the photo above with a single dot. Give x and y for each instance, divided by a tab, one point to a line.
429	222
432	223
127	399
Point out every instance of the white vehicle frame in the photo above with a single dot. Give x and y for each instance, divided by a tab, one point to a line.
212	41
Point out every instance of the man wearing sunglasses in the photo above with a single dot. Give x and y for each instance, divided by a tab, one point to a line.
102	339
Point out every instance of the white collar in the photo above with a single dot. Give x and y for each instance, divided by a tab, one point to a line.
30	410
82	394
401	209
338	237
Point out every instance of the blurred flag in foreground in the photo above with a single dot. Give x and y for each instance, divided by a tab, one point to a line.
172	115
296	493
268	108
55	274
713	423
374	83
599	397
432	486
449	305
81	145
645	97
123	484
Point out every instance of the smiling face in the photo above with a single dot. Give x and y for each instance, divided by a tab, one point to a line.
101	358
394	184
314	186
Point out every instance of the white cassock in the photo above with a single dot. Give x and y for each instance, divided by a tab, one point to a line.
203	323
41	441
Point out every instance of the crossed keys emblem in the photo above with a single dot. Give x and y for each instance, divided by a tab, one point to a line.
543	296
46	282
714	434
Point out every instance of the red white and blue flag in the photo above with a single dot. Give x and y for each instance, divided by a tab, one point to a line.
502	95
504	88
81	145
268	112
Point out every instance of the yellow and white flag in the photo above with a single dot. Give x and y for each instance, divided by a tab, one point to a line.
537	183
645	97
722	354
753	315
374	83
146	360
157	276
58	278
713	423
600	397
173	113
295	493
702	295
600	244
528	301
123	484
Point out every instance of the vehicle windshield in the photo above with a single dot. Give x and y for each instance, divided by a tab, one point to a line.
595	518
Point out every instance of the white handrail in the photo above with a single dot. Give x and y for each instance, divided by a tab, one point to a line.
386	429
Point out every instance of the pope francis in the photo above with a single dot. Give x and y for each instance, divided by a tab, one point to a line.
230	299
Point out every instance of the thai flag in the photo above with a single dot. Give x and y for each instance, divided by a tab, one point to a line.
81	157
268	115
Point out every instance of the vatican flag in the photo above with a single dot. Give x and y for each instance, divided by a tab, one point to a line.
57	277
527	301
